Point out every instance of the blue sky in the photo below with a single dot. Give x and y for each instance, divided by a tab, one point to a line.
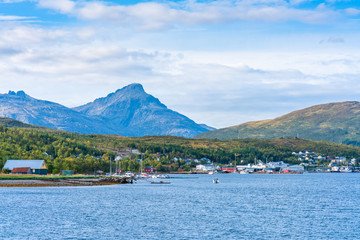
219	62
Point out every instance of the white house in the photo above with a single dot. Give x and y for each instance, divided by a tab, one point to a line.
277	165
205	168
340	159
295	168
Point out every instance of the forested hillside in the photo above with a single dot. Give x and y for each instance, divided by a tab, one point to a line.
89	153
333	122
9	122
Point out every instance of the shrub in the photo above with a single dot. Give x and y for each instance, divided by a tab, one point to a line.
6	170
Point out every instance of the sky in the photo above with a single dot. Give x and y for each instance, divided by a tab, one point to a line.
221	63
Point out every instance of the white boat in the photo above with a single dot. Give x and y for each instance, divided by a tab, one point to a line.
335	169
144	175
164	176
129	174
345	169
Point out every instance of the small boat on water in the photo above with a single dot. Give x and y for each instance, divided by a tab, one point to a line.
161	182
129	174
244	172
346	169
164	176
160	176
216	180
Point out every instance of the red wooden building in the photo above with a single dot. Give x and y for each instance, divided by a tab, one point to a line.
150	169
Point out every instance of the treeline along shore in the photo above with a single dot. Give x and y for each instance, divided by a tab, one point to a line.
90	154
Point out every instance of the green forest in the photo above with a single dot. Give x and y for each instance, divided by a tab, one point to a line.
90	153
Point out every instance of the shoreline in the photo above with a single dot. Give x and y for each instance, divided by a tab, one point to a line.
62	182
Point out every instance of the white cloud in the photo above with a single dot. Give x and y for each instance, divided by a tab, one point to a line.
54	66
152	15
63	6
296	2
14	18
86	33
352	11
12	1
262	76
22	35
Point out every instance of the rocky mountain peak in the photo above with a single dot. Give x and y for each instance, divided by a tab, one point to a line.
20	93
133	87
134	90
129	111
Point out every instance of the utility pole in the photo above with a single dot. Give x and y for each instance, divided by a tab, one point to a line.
141	161
236	154
110	166
116	166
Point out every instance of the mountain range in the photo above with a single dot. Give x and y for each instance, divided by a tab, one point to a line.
129	111
334	122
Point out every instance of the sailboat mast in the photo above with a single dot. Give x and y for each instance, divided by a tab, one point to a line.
110	166
141	160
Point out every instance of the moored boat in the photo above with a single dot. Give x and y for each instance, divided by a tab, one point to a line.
160	182
346	169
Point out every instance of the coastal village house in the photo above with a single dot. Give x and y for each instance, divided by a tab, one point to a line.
205	168
150	169
26	166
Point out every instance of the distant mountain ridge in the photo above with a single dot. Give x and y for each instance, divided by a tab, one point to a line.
334	122
129	111
24	108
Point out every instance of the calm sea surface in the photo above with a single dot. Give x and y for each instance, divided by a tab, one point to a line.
307	206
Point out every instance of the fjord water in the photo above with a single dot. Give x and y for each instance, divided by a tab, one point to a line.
307	206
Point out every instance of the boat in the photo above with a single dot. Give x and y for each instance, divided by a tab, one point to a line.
129	174
335	169
216	180
144	175
244	172
164	176
346	169
161	182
